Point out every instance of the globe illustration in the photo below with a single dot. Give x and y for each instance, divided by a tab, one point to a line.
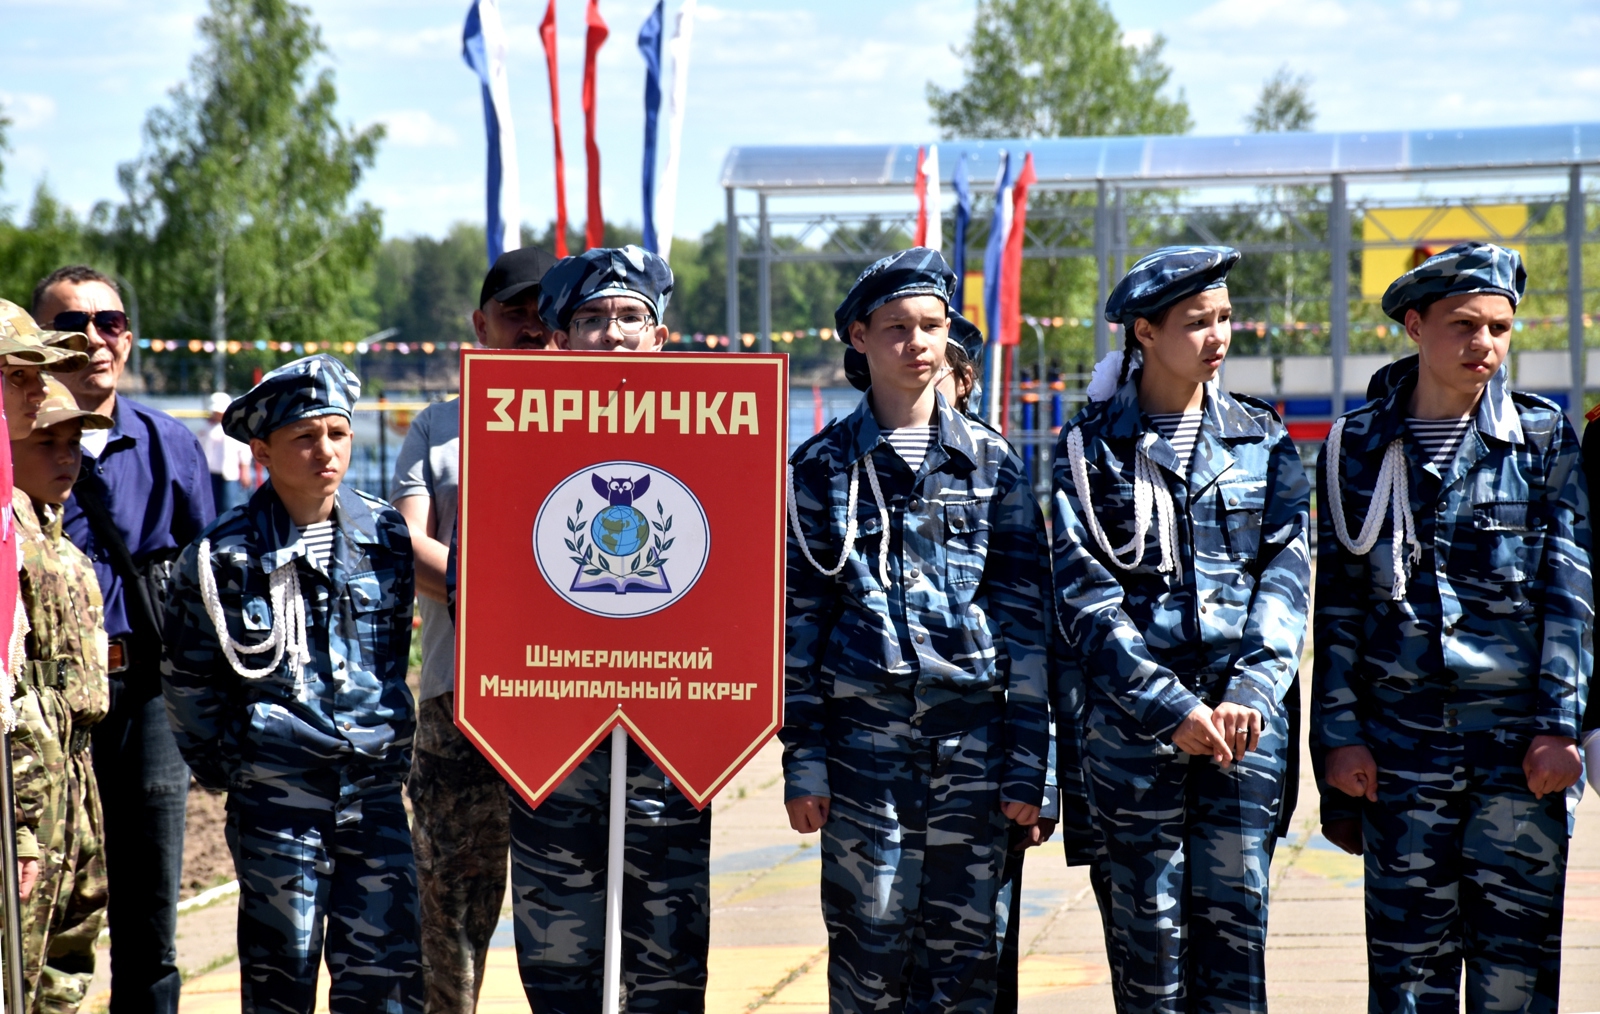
619	530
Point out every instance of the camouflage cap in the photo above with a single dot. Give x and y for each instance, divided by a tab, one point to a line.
919	271
24	343
1165	276
60	406
1462	269
304	389
603	271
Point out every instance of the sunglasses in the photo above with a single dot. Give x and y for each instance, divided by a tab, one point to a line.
110	323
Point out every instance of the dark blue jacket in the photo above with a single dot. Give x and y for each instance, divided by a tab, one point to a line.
155	483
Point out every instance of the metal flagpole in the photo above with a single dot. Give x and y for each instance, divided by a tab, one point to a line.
618	826
8	861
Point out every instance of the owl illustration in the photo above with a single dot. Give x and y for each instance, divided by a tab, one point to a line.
620	492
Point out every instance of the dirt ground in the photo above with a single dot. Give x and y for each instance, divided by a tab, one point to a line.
206	862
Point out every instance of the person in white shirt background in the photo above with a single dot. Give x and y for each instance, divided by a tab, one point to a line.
228	459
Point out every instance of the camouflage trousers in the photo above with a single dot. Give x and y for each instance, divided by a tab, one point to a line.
333	883
1182	873
1463	865
460	831
912	857
62	917
558	884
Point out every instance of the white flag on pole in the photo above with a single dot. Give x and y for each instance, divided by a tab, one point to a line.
930	167
667	189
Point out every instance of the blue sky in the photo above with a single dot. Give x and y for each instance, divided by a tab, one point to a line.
79	75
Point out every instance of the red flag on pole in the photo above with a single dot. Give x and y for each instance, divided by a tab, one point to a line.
921	237
547	33
1011	261
595	229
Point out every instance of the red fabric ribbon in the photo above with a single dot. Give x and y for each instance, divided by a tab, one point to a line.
921	185
547	33
595	228
1011	259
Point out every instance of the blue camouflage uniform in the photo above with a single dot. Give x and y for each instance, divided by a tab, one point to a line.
1448	669
1181	846
313	756
916	686
558	851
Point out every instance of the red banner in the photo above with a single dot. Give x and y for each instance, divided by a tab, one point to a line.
547	34
621	560
595	228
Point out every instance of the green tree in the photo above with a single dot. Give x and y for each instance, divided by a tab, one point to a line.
238	224
1056	68
49	237
1284	105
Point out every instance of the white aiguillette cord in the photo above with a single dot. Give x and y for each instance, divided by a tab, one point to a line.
850	522
1149	489
288	620
1392	493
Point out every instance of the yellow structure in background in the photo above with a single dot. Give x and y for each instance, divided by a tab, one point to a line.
972	300
1426	231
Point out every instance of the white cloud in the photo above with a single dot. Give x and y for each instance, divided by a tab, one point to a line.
435	40
416	128
1138	37
28	110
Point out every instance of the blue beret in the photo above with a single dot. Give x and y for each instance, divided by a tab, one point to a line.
603	271
1464	268
1166	276
304	389
918	271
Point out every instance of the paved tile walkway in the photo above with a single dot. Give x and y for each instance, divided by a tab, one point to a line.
769	948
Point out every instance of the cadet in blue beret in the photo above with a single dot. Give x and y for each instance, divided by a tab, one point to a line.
1453	650
1182	582
613	300
916	728
608	299
287	637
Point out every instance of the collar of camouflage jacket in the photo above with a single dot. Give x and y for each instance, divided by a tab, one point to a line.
1496	416
1224	421
280	537
952	441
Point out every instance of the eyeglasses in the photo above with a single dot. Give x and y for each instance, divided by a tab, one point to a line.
110	323
631	325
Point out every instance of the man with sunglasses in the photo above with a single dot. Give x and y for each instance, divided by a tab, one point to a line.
143	494
460	829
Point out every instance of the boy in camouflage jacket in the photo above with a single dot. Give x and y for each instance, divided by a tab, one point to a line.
1454	640
288	633
62	688
917	719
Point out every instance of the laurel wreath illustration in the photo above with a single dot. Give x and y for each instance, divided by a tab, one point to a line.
644	564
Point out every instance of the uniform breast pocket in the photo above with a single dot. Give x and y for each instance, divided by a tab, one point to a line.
1511	535
966	541
367	598
1241	507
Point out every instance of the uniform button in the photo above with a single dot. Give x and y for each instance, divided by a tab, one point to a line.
1204	609
348	726
920	638
1233	501
922	691
913	573
1449	628
1451	712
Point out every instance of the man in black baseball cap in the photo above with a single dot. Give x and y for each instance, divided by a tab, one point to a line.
460	809
508	304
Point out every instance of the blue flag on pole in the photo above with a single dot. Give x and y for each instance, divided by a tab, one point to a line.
483	47
650	46
958	259
993	258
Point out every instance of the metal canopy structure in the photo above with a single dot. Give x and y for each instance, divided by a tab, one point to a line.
1112	166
